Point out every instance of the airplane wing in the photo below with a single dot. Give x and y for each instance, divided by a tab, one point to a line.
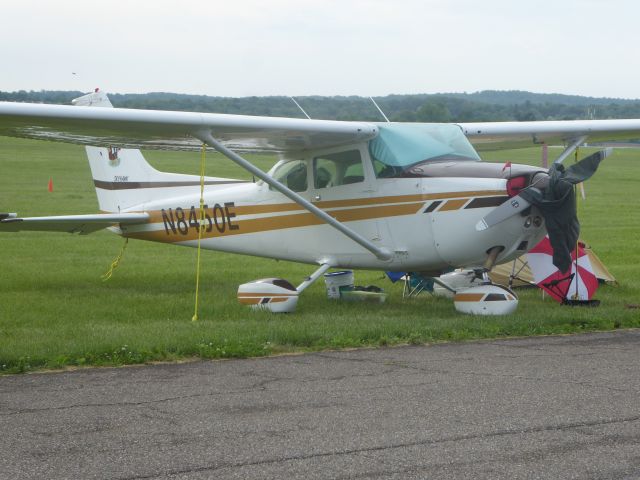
82	224
501	135
166	130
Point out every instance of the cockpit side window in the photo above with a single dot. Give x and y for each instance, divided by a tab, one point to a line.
293	174
335	169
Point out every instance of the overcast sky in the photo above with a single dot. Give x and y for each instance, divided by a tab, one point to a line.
322	47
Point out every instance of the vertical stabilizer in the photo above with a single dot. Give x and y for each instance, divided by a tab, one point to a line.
124	179
94	99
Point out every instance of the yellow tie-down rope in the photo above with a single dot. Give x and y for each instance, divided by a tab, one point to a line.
203	154
115	262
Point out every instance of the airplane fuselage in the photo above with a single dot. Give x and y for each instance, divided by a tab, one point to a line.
427	223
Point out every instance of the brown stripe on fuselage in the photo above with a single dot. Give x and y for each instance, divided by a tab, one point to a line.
421	197
264	224
156	215
133	185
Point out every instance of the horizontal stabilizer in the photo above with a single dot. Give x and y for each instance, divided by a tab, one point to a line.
82	224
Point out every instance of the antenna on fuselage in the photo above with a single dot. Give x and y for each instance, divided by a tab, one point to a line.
301	109
380	110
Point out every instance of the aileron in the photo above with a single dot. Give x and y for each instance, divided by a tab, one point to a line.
498	135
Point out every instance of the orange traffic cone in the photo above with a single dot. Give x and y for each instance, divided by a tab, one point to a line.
50	188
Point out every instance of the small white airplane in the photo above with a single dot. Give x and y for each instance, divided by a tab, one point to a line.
383	196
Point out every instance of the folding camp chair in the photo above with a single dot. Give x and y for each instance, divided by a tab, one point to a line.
414	284
518	266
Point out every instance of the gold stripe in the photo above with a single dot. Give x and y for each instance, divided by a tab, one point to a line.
468	297
358	202
376	212
249	301
453	205
156	215
406	198
265	224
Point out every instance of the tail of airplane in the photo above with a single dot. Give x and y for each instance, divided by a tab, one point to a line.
124	179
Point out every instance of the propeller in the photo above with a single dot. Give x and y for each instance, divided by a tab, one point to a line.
515	204
499	214
553	194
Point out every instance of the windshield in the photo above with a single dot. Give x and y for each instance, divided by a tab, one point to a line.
400	146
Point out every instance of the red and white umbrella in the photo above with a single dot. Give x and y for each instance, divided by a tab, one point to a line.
580	283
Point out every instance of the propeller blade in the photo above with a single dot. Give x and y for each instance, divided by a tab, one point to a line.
499	214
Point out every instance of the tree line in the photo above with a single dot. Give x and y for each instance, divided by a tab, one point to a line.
489	105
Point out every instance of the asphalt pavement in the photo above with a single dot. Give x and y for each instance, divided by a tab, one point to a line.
544	407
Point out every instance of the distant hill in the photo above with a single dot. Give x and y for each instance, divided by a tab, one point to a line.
512	97
488	105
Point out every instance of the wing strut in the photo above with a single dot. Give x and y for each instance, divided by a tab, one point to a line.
570	149
381	253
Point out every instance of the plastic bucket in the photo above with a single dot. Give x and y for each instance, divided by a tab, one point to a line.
338	282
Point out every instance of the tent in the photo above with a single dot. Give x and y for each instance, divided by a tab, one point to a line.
518	274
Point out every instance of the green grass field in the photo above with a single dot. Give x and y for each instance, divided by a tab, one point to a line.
55	310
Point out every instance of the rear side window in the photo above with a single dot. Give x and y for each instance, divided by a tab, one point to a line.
335	169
